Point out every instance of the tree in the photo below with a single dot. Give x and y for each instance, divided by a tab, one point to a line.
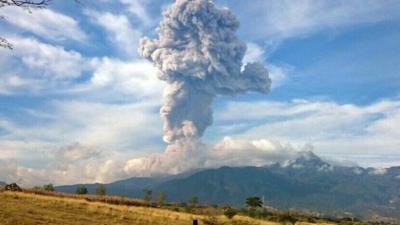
81	190
254	202
193	201
5	44
230	212
161	198
25	4
100	190
48	187
147	195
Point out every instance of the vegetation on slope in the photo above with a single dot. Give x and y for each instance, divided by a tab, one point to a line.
38	206
307	184
31	209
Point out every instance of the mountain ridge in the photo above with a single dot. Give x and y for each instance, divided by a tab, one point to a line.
306	183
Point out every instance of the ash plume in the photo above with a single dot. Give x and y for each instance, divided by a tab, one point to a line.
199	56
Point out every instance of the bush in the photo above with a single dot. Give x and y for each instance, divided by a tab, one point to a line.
81	190
101	190
211	220
193	201
287	218
254	202
161	198
147	195
230	212
48	187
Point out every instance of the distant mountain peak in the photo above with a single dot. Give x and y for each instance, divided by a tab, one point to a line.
308	160
377	171
308	156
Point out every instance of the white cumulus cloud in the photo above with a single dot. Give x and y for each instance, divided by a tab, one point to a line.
283	19
120	30
135	77
334	129
51	61
46	23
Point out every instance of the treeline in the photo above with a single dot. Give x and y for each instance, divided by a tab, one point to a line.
80	190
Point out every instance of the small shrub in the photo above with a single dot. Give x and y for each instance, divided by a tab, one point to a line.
254	202
147	195
252	212
100	190
81	190
230	212
287	218
188	209
48	187
211	220
193	201
161	198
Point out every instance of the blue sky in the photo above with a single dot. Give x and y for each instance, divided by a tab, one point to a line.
74	88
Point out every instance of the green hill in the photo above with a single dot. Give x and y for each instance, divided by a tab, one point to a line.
306	184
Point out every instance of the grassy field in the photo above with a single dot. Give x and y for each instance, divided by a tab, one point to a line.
31	209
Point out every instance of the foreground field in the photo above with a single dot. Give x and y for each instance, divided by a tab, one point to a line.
31	209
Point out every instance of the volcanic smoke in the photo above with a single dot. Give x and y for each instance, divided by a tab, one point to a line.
199	57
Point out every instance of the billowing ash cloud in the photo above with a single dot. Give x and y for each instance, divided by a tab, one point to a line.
199	56
229	151
79	163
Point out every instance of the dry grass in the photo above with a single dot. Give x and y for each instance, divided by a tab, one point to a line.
109	199
34	209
